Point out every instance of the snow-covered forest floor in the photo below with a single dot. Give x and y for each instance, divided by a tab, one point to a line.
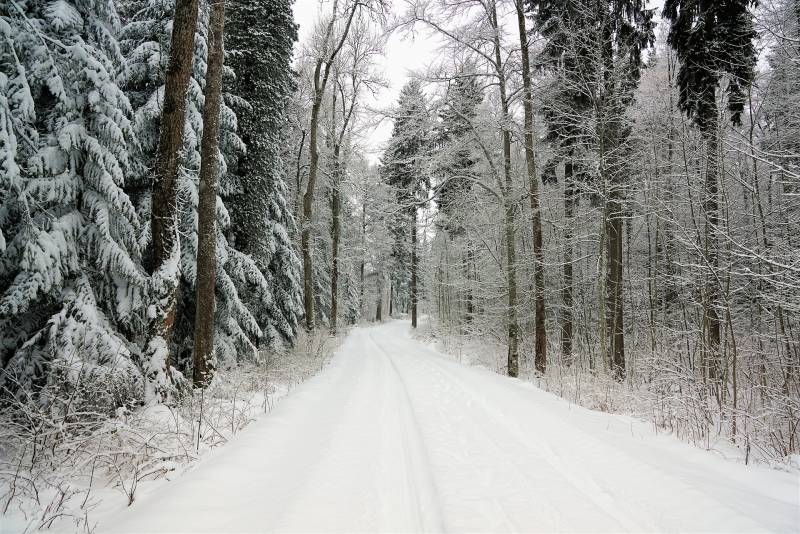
65	472
683	412
393	436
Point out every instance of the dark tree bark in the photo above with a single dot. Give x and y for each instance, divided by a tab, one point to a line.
711	302
308	213
163	216
414	270
508	204
298	176
469	262
614	215
336	230
540	353
614	323
567	287
206	208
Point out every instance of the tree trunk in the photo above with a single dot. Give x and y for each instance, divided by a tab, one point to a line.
163	265
297	176
540	353
414	270
320	82
206	208
308	207
567	288
610	127
613	221
336	230
508	204
614	325
511	273
363	249
710	250
379	305
469	259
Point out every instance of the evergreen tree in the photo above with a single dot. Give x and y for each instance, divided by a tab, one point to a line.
405	171
597	45
71	282
259	42
713	40
566	56
455	158
566	110
236	328
455	145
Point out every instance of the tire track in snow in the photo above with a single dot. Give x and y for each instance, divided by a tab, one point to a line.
515	453
420	486
447	427
532	451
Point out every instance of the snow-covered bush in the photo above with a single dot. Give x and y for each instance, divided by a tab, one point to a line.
673	399
62	460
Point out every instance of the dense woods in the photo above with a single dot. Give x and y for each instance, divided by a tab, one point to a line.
125	167
606	194
604	191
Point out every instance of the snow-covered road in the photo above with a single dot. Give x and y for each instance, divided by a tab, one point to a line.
393	437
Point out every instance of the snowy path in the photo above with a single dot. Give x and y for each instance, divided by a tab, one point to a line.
393	437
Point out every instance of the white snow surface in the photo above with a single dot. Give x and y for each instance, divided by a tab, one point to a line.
393	436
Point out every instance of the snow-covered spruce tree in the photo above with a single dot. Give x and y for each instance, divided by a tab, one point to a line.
455	157
259	42
714	41
405	171
566	108
236	329
598	45
455	145
71	280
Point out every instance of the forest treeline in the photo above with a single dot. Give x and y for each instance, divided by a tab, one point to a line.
602	189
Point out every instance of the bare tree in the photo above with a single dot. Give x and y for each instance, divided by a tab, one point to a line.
331	43
354	73
540	332
481	37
